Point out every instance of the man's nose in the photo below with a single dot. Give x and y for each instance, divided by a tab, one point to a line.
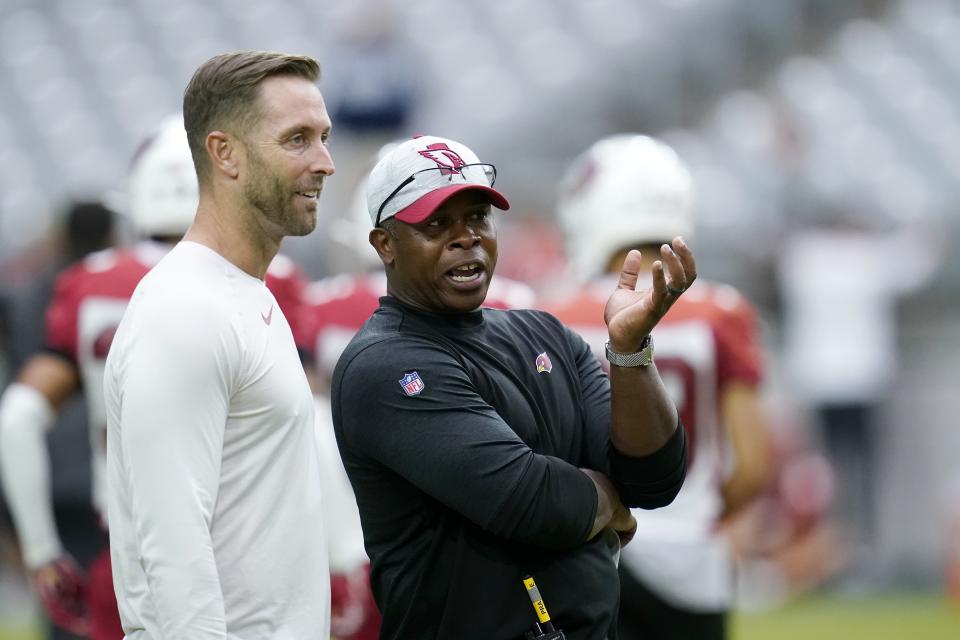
323	163
466	237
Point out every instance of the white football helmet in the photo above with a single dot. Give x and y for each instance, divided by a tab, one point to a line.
162	192
624	191
353	230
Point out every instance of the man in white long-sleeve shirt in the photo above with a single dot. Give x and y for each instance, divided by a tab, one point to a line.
213	477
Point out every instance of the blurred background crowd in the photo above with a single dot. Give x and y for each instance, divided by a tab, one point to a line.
823	137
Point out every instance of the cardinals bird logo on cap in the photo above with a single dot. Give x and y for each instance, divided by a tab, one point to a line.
412	383
543	363
444	156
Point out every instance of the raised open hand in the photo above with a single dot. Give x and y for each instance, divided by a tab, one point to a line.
631	314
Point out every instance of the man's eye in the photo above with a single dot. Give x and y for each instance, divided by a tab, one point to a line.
436	221
298	139
481	217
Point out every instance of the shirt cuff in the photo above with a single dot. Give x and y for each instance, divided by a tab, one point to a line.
655	480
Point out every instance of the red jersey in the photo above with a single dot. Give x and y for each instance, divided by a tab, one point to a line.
706	341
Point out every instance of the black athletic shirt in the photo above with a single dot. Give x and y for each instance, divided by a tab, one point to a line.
462	436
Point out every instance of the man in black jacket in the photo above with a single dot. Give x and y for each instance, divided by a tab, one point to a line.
487	445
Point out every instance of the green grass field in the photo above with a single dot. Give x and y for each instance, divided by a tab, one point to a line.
909	617
889	618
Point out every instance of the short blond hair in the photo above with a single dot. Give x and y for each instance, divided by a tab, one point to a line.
223	93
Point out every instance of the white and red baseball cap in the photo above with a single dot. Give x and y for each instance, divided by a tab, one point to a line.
419	175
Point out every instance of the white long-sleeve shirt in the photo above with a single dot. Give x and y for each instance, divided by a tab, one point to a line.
212	471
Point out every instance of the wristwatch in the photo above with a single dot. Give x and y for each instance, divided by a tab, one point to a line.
639	358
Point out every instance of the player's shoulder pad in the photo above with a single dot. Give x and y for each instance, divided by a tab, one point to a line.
724	299
101	261
505	293
327	290
283	267
75	275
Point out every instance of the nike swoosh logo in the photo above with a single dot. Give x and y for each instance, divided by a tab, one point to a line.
268	318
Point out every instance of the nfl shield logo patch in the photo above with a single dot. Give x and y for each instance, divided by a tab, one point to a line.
543	363
412	383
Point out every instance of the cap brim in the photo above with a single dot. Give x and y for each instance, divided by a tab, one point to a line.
421	209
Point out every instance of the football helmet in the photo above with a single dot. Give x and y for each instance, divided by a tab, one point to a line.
162	192
352	230
624	191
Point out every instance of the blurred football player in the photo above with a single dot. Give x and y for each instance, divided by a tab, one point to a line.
633	192
89	300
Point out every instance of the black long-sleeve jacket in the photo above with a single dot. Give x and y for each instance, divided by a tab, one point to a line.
462	436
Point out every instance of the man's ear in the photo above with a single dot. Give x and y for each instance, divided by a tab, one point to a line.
224	151
382	240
